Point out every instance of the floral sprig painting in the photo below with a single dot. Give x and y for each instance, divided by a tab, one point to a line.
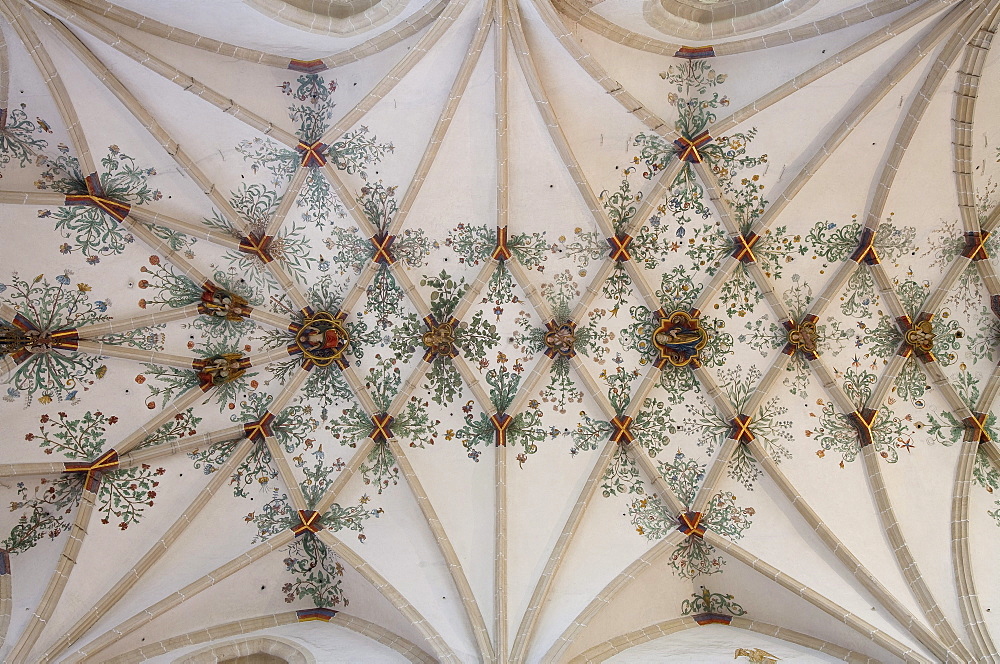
355	152
693	557
835	432
768	426
123	495
697	105
90	230
21	140
45	370
521	431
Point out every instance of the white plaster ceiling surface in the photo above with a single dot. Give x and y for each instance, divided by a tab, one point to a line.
499	330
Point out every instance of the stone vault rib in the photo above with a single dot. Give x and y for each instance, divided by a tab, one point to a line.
440	647
941	29
128	580
963	111
57	89
71	15
444	120
93	648
408	27
185	164
603	651
399	70
248	626
579	12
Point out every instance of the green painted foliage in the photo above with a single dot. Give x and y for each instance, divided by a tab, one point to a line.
54	374
693	556
80	439
45	511
21	139
91	231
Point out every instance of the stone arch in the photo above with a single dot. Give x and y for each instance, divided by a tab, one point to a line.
238	649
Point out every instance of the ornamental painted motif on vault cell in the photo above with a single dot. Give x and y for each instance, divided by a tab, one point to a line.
313	339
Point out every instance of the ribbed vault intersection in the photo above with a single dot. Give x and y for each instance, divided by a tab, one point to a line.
516	305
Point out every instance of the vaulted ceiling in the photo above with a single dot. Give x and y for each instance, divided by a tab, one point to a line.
499	330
